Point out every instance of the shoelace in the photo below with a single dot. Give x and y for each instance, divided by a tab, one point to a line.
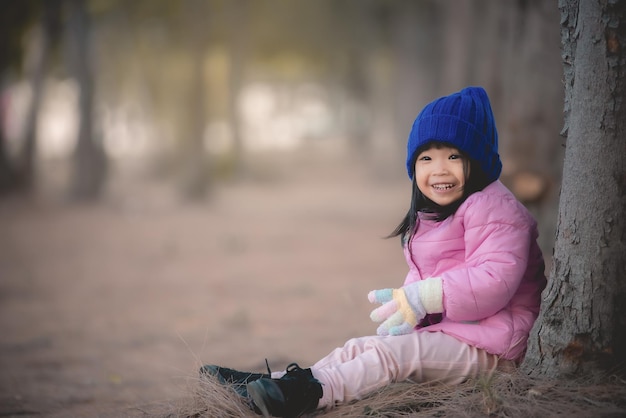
293	367
292	370
267	364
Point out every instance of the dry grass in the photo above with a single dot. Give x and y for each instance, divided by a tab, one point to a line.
208	399
504	395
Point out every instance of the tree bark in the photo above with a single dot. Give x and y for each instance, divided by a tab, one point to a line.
581	326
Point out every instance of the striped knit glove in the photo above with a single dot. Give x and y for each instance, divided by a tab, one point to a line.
404	308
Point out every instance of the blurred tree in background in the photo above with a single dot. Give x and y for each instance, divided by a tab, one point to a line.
89	160
15	20
201	91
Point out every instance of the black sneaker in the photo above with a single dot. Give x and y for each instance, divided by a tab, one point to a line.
294	394
231	377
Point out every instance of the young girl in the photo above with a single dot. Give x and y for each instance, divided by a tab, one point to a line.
473	288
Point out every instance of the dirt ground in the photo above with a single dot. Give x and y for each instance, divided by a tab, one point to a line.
109	309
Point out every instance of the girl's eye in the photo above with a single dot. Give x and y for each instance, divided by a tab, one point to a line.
455	157
424	158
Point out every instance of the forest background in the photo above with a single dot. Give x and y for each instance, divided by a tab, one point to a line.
243	160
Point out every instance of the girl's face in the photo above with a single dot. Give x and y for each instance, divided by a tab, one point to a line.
440	174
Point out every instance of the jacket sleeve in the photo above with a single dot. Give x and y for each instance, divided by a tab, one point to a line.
498	233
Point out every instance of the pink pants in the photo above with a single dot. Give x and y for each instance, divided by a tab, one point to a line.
366	364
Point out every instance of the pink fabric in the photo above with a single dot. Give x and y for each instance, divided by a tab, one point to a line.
366	364
491	267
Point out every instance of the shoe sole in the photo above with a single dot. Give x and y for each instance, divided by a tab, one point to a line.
264	395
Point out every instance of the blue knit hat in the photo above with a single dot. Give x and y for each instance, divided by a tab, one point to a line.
464	120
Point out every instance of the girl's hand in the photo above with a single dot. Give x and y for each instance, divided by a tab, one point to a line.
398	315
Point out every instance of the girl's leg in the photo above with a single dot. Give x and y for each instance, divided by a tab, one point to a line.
366	364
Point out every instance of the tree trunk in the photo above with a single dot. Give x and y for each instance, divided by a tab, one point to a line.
89	172
7	174
195	173
583	318
239	18
26	157
24	171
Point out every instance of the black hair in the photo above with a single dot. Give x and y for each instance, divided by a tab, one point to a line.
476	181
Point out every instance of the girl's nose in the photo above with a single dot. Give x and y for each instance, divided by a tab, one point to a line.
440	167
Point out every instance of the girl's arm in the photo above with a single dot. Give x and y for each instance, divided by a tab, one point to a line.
498	234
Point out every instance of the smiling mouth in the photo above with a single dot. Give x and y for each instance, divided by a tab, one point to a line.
442	187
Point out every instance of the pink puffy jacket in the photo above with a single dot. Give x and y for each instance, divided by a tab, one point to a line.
491	268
